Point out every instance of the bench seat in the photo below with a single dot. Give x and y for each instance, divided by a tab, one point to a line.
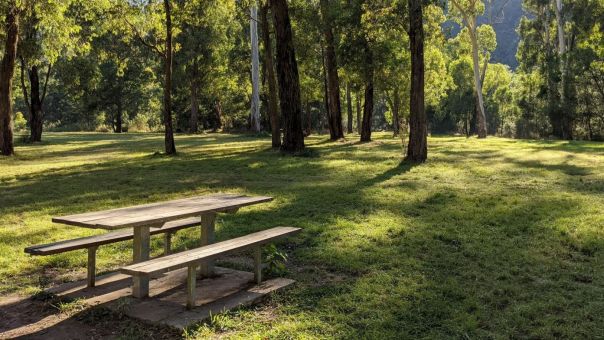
194	257
93	242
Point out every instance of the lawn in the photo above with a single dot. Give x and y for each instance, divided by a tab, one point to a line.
493	238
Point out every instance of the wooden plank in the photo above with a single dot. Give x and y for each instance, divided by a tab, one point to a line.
167	243
160	212
207	237
108	238
140	286
165	214
191	285
91	270
258	265
196	256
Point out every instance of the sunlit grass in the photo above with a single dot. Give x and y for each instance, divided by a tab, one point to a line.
489	238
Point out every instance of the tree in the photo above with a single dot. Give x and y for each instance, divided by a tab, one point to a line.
270	77
7	69
166	54
468	11
47	34
255	109
289	82
333	81
417	151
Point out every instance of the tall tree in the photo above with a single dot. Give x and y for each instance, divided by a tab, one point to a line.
369	92
270	77
333	80
255	108
7	69
417	150
468	12
289	82
170	147
48	33
166	53
349	108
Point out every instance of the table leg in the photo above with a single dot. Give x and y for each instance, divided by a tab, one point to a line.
142	237
207	237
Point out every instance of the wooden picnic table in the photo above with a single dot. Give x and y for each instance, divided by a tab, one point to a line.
143	217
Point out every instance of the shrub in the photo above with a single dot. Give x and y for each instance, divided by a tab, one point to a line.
20	122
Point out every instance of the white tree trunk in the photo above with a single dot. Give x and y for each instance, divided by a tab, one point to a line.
561	40
481	119
255	110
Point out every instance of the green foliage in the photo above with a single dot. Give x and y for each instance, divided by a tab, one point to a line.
490	238
20	123
275	260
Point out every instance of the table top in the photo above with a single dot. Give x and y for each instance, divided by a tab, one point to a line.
158	213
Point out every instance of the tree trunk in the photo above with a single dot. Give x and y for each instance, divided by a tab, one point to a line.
325	95
481	121
396	104
217	116
349	107
270	76
119	120
255	109
169	134
35	105
194	119
358	96
417	151
308	119
561	40
333	80
7	69
566	107
368	106
289	81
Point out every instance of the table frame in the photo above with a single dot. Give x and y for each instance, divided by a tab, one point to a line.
141	231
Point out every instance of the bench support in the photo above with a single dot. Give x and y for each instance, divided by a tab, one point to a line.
191	284
91	266
258	265
167	243
207	237
140	288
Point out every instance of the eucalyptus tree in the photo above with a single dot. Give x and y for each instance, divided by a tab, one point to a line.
12	12
255	107
269	76
151	24
331	67
289	81
49	31
202	70
360	54
417	150
467	12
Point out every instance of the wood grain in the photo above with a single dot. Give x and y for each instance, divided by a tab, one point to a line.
199	255
161	212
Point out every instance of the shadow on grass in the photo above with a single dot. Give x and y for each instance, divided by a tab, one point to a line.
472	260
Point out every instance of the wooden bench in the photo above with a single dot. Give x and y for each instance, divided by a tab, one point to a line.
93	242
195	257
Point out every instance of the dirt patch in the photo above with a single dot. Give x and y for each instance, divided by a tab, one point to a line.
39	318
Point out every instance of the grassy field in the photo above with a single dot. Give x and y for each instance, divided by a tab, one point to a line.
493	238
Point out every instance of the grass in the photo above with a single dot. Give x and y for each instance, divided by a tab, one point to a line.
493	238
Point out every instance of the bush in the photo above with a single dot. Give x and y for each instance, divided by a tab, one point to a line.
140	123
20	122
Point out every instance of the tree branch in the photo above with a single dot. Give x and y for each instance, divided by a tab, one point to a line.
23	87
140	37
46	83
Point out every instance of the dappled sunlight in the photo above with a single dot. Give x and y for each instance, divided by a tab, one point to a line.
488	234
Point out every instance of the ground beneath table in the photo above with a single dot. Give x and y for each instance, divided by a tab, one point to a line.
64	312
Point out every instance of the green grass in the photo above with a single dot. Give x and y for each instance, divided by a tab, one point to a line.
493	238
